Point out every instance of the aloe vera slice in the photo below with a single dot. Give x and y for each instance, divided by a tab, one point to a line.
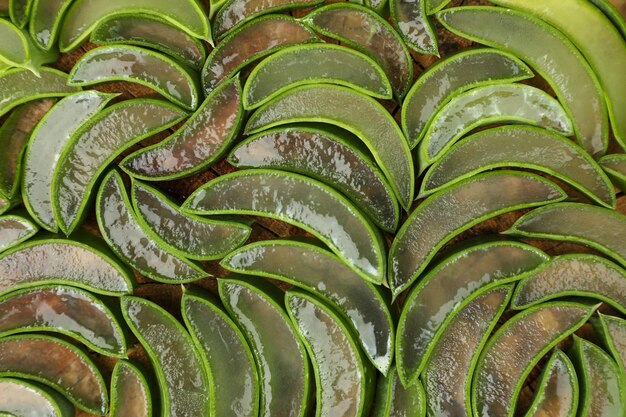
44	149
574	275
412	22
151	31
5	204
26	399
612	332
130	392
557	392
366	31
615	167
182	379
447	288
200	142
611	11
524	147
343	377
58	364
19	86
433	6
466	204
602	383
280	355
486	105
79	167
124	234
514	350
302	202
138	65
448	374
355	112
393	399
67	310
19	11
88	265
253	40
185	235
84	16
451	76
15	229
45	21
17	49
564	68
330	156
306	266
229	360
600	228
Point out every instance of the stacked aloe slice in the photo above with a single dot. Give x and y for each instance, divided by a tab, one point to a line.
288	208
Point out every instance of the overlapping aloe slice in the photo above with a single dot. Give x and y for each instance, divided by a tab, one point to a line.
17	48
365	30
355	112
282	362
234	379
524	147
615	167
514	350
465	204
412	22
45	21
599	228
300	201
200	142
393	399
182	379
151	31
58	364
344	379
564	68
132	243
15	229
5	204
130	392
84	15
19	86
447	288
139	65
23	398
88	265
19	11
253	40
331	156
611	11
314	64
447	377
89	151
306	266
612	332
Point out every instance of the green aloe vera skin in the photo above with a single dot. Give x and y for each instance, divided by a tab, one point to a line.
130	391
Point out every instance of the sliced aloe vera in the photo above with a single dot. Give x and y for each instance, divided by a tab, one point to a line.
465	204
600	228
393	399
89	151
21	398
447	377
200	142
366	31
182	379
84	16
615	167
58	364
281	358
130	392
612	331
447	288
19	86
344	379
486	105
564	68
412	22
523	147
611	11
574	275
15	229
44	149
602	392
17	49
67	310
451	76
253	40
45	21
330	156
433	6
229	360
151	31
5	204
306	266
302	202
515	349
350	110
132	243
19	11
138	65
